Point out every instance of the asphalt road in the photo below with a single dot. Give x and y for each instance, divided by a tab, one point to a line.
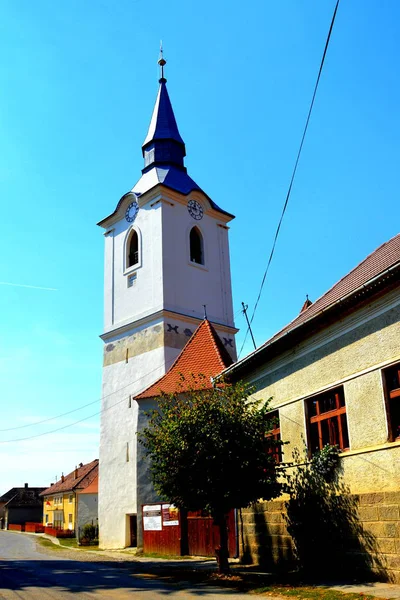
27	572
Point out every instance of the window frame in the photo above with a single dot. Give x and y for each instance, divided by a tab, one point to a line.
328	415
128	270
201	265
389	396
275	433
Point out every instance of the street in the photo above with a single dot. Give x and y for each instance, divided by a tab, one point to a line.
27	572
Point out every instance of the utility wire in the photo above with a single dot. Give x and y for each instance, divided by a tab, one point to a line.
293	175
80	408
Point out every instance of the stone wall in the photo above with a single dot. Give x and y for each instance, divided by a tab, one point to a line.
264	539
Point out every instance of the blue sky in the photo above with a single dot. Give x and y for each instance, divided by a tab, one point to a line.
78	85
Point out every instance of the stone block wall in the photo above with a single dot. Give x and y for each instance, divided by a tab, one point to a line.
264	539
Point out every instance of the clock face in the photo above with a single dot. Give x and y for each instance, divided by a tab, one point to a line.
195	210
131	212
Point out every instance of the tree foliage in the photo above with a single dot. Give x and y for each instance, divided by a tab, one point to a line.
209	448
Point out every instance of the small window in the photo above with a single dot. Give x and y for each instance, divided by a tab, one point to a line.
391	385
130	402
70	498
133	249
327	423
275	434
127	451
46	517
131	279
70	518
196	246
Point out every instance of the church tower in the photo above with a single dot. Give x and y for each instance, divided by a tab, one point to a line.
166	262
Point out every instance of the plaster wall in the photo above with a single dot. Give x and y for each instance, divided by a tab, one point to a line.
187	285
123	304
351	353
87	510
165	276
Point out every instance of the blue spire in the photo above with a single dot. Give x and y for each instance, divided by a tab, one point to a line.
163	144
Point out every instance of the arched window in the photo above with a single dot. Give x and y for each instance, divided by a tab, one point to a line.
133	249
196	246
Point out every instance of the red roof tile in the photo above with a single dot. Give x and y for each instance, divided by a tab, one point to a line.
375	264
84	477
203	354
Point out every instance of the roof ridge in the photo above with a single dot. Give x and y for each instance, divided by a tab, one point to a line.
205	338
356	267
334	285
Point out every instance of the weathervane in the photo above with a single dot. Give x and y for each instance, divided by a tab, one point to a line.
162	62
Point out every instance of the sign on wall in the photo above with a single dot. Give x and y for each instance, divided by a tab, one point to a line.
152	517
169	515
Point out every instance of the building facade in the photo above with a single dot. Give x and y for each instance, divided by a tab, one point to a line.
60	500
166	263
21	505
334	377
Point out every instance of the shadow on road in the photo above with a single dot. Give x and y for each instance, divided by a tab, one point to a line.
80	577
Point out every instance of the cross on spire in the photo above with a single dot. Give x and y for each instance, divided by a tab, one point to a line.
162	62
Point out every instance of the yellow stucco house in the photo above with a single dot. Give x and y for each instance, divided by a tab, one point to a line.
334	377
60	500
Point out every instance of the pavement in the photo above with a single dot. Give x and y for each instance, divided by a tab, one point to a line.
377	589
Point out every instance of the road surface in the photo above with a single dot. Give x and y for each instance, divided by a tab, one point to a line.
31	573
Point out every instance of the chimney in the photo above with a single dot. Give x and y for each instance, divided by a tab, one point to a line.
51	484
76	473
62	477
26	486
81	464
306	304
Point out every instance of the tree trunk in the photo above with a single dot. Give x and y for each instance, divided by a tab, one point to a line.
222	553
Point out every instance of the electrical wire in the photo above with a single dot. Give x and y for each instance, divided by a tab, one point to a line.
85	418
292	177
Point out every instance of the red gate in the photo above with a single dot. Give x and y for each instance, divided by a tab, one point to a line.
203	535
165	533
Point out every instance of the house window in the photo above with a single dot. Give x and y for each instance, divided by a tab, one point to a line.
275	434
70	498
196	246
327	423
391	386
46	517
133	249
70	518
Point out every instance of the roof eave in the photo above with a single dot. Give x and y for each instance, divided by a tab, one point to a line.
257	355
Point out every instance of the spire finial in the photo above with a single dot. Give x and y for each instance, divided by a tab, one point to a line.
205	310
162	62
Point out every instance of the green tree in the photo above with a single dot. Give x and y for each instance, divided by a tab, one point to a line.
209	449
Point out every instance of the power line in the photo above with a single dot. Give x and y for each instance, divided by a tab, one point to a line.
293	175
85	418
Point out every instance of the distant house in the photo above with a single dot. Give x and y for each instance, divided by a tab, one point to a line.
87	506
21	505
61	498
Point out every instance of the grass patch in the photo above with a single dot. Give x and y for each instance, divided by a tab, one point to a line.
48	544
311	593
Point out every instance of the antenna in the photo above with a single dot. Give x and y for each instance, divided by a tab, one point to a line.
244	311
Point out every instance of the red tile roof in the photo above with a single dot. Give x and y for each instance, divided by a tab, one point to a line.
85	474
374	265
203	354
